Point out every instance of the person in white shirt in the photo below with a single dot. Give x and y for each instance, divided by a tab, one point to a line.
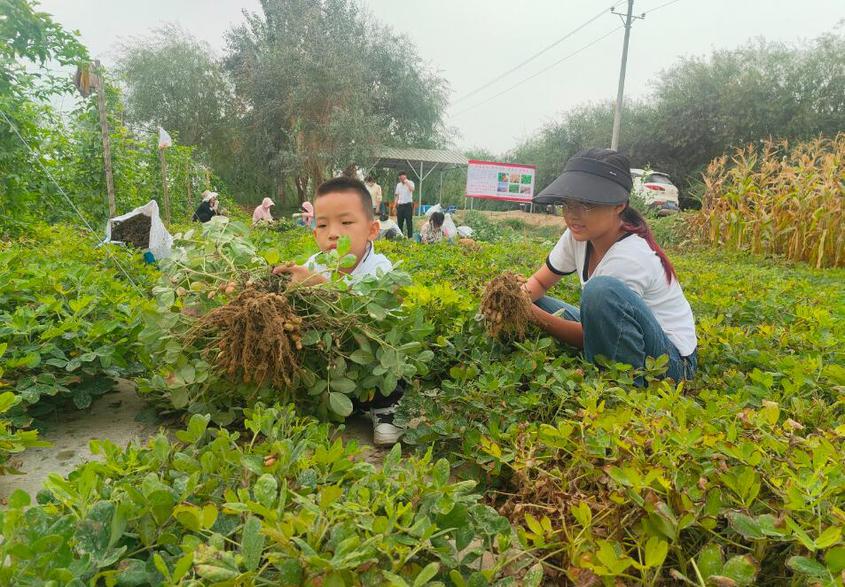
375	193
388	229
632	306
343	207
404	193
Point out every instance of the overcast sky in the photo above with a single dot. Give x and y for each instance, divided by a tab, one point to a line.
471	42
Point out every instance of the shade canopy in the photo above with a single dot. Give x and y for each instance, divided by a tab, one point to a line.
401	158
419	163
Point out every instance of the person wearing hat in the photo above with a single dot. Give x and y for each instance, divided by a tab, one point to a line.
632	306
262	212
207	208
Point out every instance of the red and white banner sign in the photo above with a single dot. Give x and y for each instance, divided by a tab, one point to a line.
500	181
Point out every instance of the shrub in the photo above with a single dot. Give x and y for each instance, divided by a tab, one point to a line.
285	504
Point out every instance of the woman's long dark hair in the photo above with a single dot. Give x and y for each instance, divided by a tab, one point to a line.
632	221
437	219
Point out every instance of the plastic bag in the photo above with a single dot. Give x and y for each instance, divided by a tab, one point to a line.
161	243
433	209
449	228
464	231
164	140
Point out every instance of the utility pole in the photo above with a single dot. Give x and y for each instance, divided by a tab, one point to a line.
617	111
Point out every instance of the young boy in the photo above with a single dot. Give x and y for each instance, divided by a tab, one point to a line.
343	207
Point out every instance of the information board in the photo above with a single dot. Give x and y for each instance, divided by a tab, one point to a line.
500	181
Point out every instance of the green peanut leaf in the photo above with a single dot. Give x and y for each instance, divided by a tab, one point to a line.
340	404
252	543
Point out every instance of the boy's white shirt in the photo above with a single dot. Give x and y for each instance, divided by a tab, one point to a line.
372	264
632	261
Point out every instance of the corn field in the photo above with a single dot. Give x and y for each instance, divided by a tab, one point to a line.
778	199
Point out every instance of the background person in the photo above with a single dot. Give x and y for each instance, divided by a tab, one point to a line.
432	230
404	193
305	216
388	229
375	193
207	208
262	212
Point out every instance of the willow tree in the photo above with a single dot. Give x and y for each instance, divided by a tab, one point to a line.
320	84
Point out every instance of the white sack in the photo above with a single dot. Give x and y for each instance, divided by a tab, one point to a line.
161	243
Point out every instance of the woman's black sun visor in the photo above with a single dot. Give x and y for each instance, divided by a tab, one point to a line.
588	180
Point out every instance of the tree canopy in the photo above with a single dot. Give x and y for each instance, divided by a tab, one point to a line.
704	106
305	87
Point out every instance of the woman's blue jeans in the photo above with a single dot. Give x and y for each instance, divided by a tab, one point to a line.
619	325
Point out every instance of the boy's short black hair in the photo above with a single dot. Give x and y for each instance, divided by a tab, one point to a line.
348	184
401	173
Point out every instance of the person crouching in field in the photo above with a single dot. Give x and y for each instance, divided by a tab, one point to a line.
632	305
343	207
262	212
432	231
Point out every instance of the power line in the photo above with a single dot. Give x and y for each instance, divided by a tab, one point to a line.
545	69
537	54
69	201
664	5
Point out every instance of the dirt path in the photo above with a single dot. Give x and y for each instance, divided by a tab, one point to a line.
114	416
360	429
117	417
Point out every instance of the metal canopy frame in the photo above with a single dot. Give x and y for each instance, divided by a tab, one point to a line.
415	160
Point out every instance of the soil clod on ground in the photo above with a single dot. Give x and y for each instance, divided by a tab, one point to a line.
133	231
506	307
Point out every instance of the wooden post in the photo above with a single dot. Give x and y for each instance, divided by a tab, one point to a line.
104	130
164	189
189	184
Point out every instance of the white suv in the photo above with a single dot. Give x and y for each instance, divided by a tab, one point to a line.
656	190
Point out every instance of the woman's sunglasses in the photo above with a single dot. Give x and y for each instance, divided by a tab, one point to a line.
577	208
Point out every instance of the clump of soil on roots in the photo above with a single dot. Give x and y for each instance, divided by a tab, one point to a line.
133	231
506	307
256	336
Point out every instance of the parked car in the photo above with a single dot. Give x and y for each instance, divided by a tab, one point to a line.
656	190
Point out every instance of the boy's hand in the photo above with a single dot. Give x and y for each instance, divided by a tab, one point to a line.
299	274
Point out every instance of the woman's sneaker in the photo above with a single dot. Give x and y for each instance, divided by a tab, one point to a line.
385	432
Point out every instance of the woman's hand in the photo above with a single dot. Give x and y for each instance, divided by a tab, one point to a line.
299	274
566	331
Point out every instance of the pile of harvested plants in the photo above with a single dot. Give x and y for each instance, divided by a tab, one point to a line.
256	337
226	334
506	307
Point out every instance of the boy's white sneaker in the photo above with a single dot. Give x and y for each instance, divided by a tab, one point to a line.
385	432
